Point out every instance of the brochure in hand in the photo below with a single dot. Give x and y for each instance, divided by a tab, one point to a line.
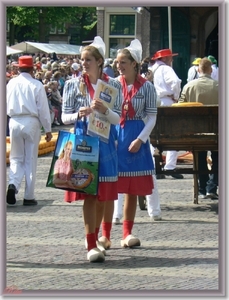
106	92
98	124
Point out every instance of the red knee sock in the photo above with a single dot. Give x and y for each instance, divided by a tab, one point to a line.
106	229
91	241
96	234
127	228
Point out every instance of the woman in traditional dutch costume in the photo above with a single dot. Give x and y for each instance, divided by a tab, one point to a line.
138	118
78	104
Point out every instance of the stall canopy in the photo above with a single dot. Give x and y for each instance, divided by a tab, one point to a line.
11	51
31	47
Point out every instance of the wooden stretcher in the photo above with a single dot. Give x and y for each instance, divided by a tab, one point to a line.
188	128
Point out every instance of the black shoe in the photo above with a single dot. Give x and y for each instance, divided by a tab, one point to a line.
177	176
10	196
29	202
160	176
212	196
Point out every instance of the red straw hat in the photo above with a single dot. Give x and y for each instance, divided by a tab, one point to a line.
38	65
25	61
163	53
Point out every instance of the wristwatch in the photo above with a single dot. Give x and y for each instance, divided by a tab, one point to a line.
106	112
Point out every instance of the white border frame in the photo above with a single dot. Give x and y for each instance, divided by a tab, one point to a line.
223	142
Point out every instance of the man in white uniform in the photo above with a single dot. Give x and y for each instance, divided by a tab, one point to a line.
168	87
28	109
215	69
193	70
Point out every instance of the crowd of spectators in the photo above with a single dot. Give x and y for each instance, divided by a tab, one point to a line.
51	70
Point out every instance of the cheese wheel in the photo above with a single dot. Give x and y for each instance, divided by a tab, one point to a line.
81	178
187	104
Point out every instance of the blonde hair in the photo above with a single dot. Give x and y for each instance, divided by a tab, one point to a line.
205	65
50	84
56	74
69	143
47	74
94	52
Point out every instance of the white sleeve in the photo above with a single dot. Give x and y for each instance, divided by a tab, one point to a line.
113	117
191	74
43	108
149	125
69	118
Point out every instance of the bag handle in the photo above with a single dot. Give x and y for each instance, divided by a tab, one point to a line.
84	126
81	124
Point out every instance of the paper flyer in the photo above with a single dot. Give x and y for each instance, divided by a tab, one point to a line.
106	92
98	124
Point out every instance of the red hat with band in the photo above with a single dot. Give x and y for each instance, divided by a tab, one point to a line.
25	61
163	53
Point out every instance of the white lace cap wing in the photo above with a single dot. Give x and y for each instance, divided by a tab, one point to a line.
100	45
135	49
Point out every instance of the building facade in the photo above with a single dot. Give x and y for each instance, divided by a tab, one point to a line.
189	31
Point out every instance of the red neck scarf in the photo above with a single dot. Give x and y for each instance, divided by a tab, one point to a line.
89	85
127	107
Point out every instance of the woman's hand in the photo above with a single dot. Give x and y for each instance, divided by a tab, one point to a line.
135	146
84	111
98	105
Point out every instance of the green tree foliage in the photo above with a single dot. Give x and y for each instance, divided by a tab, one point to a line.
33	23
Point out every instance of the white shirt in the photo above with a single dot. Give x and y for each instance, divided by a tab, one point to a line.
166	82
193	73
215	72
27	96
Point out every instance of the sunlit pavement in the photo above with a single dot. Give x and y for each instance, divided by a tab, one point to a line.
46	251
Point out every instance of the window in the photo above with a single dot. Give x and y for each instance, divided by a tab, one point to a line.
52	29
60	29
122	24
121	32
118	43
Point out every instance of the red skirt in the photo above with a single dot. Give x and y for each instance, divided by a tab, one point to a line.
106	191
139	185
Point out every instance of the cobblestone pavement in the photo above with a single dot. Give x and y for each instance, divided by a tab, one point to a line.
46	252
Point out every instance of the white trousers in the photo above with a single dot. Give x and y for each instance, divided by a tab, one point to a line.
25	134
171	160
171	156
118	207
152	201
52	114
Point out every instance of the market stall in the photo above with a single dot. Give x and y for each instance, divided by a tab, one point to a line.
32	47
